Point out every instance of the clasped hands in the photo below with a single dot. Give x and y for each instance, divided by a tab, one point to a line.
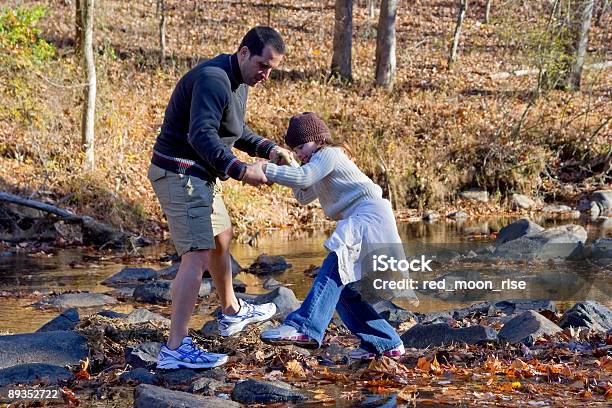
255	173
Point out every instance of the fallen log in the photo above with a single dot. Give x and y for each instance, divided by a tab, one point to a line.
525	72
94	232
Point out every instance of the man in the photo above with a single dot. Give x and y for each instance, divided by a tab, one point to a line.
203	120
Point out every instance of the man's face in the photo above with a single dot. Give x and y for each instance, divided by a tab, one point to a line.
257	68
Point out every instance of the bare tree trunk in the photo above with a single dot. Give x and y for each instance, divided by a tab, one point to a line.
371	9
488	12
463	5
161	4
603	8
580	25
89	107
385	44
343	33
78	28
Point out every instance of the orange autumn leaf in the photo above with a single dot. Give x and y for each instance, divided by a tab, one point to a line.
519	364
492	364
605	363
423	364
83	374
295	369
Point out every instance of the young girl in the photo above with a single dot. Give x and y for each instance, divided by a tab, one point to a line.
364	217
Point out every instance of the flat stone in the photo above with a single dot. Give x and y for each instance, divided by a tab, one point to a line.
589	314
71	300
111	314
283	298
522	202
132	275
251	391
142	315
65	321
517	229
142	355
54	347
267	264
556	209
181	376
431	215
139	375
161	291
479	195
271	283
34	373
458	215
392	313
527	328
434	335
170	272
147	396
518	306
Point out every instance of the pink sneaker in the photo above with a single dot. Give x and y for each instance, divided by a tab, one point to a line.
285	334
361	354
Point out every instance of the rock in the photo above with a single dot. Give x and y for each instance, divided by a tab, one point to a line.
606	227
527	327
55	347
603	198
593	210
132	275
266	264
589	314
433	335
139	375
142	315
431	215
601	249
142	355
556	209
147	396
283	298
522	202
34	373
251	391
160	291
170	272
475	195
239	286
177	377
517	229
85	299
392	313
66	321
271	283
458	215
124	293
205	386
218	374
435	317
210	329
563	242
518	306
111	314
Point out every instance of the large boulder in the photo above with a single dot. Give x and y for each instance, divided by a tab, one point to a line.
527	327
434	335
65	321
563	242
517	229
55	347
283	298
147	396
251	391
34	373
589	314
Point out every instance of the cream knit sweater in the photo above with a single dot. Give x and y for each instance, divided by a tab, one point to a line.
329	176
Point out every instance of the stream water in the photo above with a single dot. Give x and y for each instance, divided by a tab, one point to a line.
69	270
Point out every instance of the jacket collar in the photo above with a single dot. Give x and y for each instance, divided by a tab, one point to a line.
234	72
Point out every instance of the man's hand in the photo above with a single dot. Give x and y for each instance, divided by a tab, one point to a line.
254	174
281	156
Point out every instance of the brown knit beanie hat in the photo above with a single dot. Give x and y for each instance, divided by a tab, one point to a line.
306	127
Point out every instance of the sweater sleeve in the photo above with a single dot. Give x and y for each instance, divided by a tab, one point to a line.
208	101
321	164
305	196
254	144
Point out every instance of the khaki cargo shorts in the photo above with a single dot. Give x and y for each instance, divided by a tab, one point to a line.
193	207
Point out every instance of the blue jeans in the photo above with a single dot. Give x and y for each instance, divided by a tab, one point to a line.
326	294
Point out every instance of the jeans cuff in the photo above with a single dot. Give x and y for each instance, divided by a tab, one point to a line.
304	330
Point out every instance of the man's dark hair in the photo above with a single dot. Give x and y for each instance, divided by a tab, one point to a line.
258	37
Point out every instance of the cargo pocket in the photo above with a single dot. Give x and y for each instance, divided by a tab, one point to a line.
156	173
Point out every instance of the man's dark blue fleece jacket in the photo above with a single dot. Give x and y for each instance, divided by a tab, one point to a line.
204	119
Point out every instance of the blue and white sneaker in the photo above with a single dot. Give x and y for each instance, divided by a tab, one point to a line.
249	313
188	355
